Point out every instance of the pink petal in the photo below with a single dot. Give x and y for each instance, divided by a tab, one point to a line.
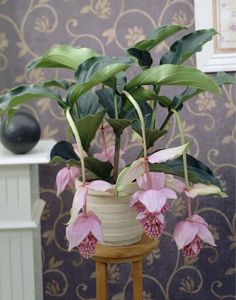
158	180
134	198
153	200
100	185
62	180
167	154
205	235
169	194
199	219
77	232
74	172
184	233
142	182
96	229
175	184
78	202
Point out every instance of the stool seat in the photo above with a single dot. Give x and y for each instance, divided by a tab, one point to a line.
134	253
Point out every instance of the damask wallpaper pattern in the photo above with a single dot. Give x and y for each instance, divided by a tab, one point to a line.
30	27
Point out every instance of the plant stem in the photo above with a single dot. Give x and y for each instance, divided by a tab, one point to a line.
78	141
154	107
116	107
141	119
154	114
116	157
103	138
166	120
117	144
181	132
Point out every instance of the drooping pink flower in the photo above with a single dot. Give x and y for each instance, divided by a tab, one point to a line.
84	233
151	198
108	155
150	202
190	234
66	178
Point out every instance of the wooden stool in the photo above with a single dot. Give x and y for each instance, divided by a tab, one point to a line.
119	254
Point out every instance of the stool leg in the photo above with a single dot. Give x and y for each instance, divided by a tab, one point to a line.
137	280
101	281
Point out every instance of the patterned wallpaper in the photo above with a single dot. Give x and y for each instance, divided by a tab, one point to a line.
27	29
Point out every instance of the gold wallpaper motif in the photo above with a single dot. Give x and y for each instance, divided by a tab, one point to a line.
27	29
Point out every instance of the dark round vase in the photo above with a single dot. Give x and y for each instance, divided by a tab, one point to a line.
20	133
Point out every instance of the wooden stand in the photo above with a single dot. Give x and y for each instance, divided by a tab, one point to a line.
132	253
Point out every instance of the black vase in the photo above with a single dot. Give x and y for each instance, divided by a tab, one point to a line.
20	133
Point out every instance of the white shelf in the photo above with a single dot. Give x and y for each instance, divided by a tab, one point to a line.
40	154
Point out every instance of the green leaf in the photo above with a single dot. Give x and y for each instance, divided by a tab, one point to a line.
24	93
140	94
87	128
152	135
88	104
118	125
117	82
144	57
102	169
106	98
97	70
63	84
157	36
63	151
187	46
174	75
222	78
63	56
197	171
164	101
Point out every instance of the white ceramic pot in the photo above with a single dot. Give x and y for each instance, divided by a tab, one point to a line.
119	223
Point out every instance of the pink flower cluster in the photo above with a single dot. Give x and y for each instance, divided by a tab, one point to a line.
150	203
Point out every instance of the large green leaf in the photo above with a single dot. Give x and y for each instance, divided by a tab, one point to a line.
197	171
97	70
24	93
157	36
187	46
87	128
63	56
174	75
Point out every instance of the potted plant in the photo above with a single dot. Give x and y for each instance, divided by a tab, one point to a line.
101	97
